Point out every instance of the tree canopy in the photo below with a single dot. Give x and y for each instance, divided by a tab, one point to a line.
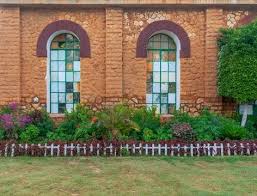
237	66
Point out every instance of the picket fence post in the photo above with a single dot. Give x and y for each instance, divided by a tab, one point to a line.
248	150
12	153
58	150
146	149
228	149
191	150
65	149
165	150
52	149
172	150
97	146
221	149
140	148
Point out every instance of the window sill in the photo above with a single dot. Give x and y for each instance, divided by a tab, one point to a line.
57	115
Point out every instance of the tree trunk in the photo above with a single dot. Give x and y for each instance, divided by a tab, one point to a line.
245	113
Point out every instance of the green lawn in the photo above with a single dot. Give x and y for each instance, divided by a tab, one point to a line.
128	176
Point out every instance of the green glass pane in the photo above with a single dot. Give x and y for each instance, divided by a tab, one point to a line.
54	55
61	107
61	55
149	88
156	88
164	77
61	86
76	55
172	76
171	97
164	87
61	76
69	76
76	76
54	65
156	76
164	98
76	65
156	98
172	87
76	97
54	108
54	76
62	98
54	97
69	87
164	108
61	65
69	57
54	86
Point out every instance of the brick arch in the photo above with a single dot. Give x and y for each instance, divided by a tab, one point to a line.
67	26
141	50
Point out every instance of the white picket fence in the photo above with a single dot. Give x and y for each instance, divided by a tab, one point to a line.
100	149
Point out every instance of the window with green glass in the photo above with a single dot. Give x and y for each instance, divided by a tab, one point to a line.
161	74
64	73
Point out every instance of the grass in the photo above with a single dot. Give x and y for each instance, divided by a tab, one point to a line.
128	176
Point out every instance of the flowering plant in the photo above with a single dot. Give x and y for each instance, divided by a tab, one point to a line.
12	120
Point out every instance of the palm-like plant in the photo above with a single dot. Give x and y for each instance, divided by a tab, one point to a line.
117	119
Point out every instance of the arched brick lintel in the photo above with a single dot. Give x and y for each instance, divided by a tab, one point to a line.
63	25
141	51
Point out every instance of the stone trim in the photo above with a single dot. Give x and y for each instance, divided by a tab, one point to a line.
63	25
141	50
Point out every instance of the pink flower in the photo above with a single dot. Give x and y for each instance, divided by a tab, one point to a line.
13	106
7	121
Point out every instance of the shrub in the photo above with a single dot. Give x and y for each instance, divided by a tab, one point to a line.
183	131
30	135
146	118
73	120
42	120
118	120
148	135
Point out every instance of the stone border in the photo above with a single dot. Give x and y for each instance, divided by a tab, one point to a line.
63	25
148	31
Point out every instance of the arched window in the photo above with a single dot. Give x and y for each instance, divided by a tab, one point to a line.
161	73
64	73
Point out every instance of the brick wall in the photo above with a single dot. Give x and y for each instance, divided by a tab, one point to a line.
9	54
113	71
113	58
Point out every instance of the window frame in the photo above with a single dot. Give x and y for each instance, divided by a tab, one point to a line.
48	76
177	66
